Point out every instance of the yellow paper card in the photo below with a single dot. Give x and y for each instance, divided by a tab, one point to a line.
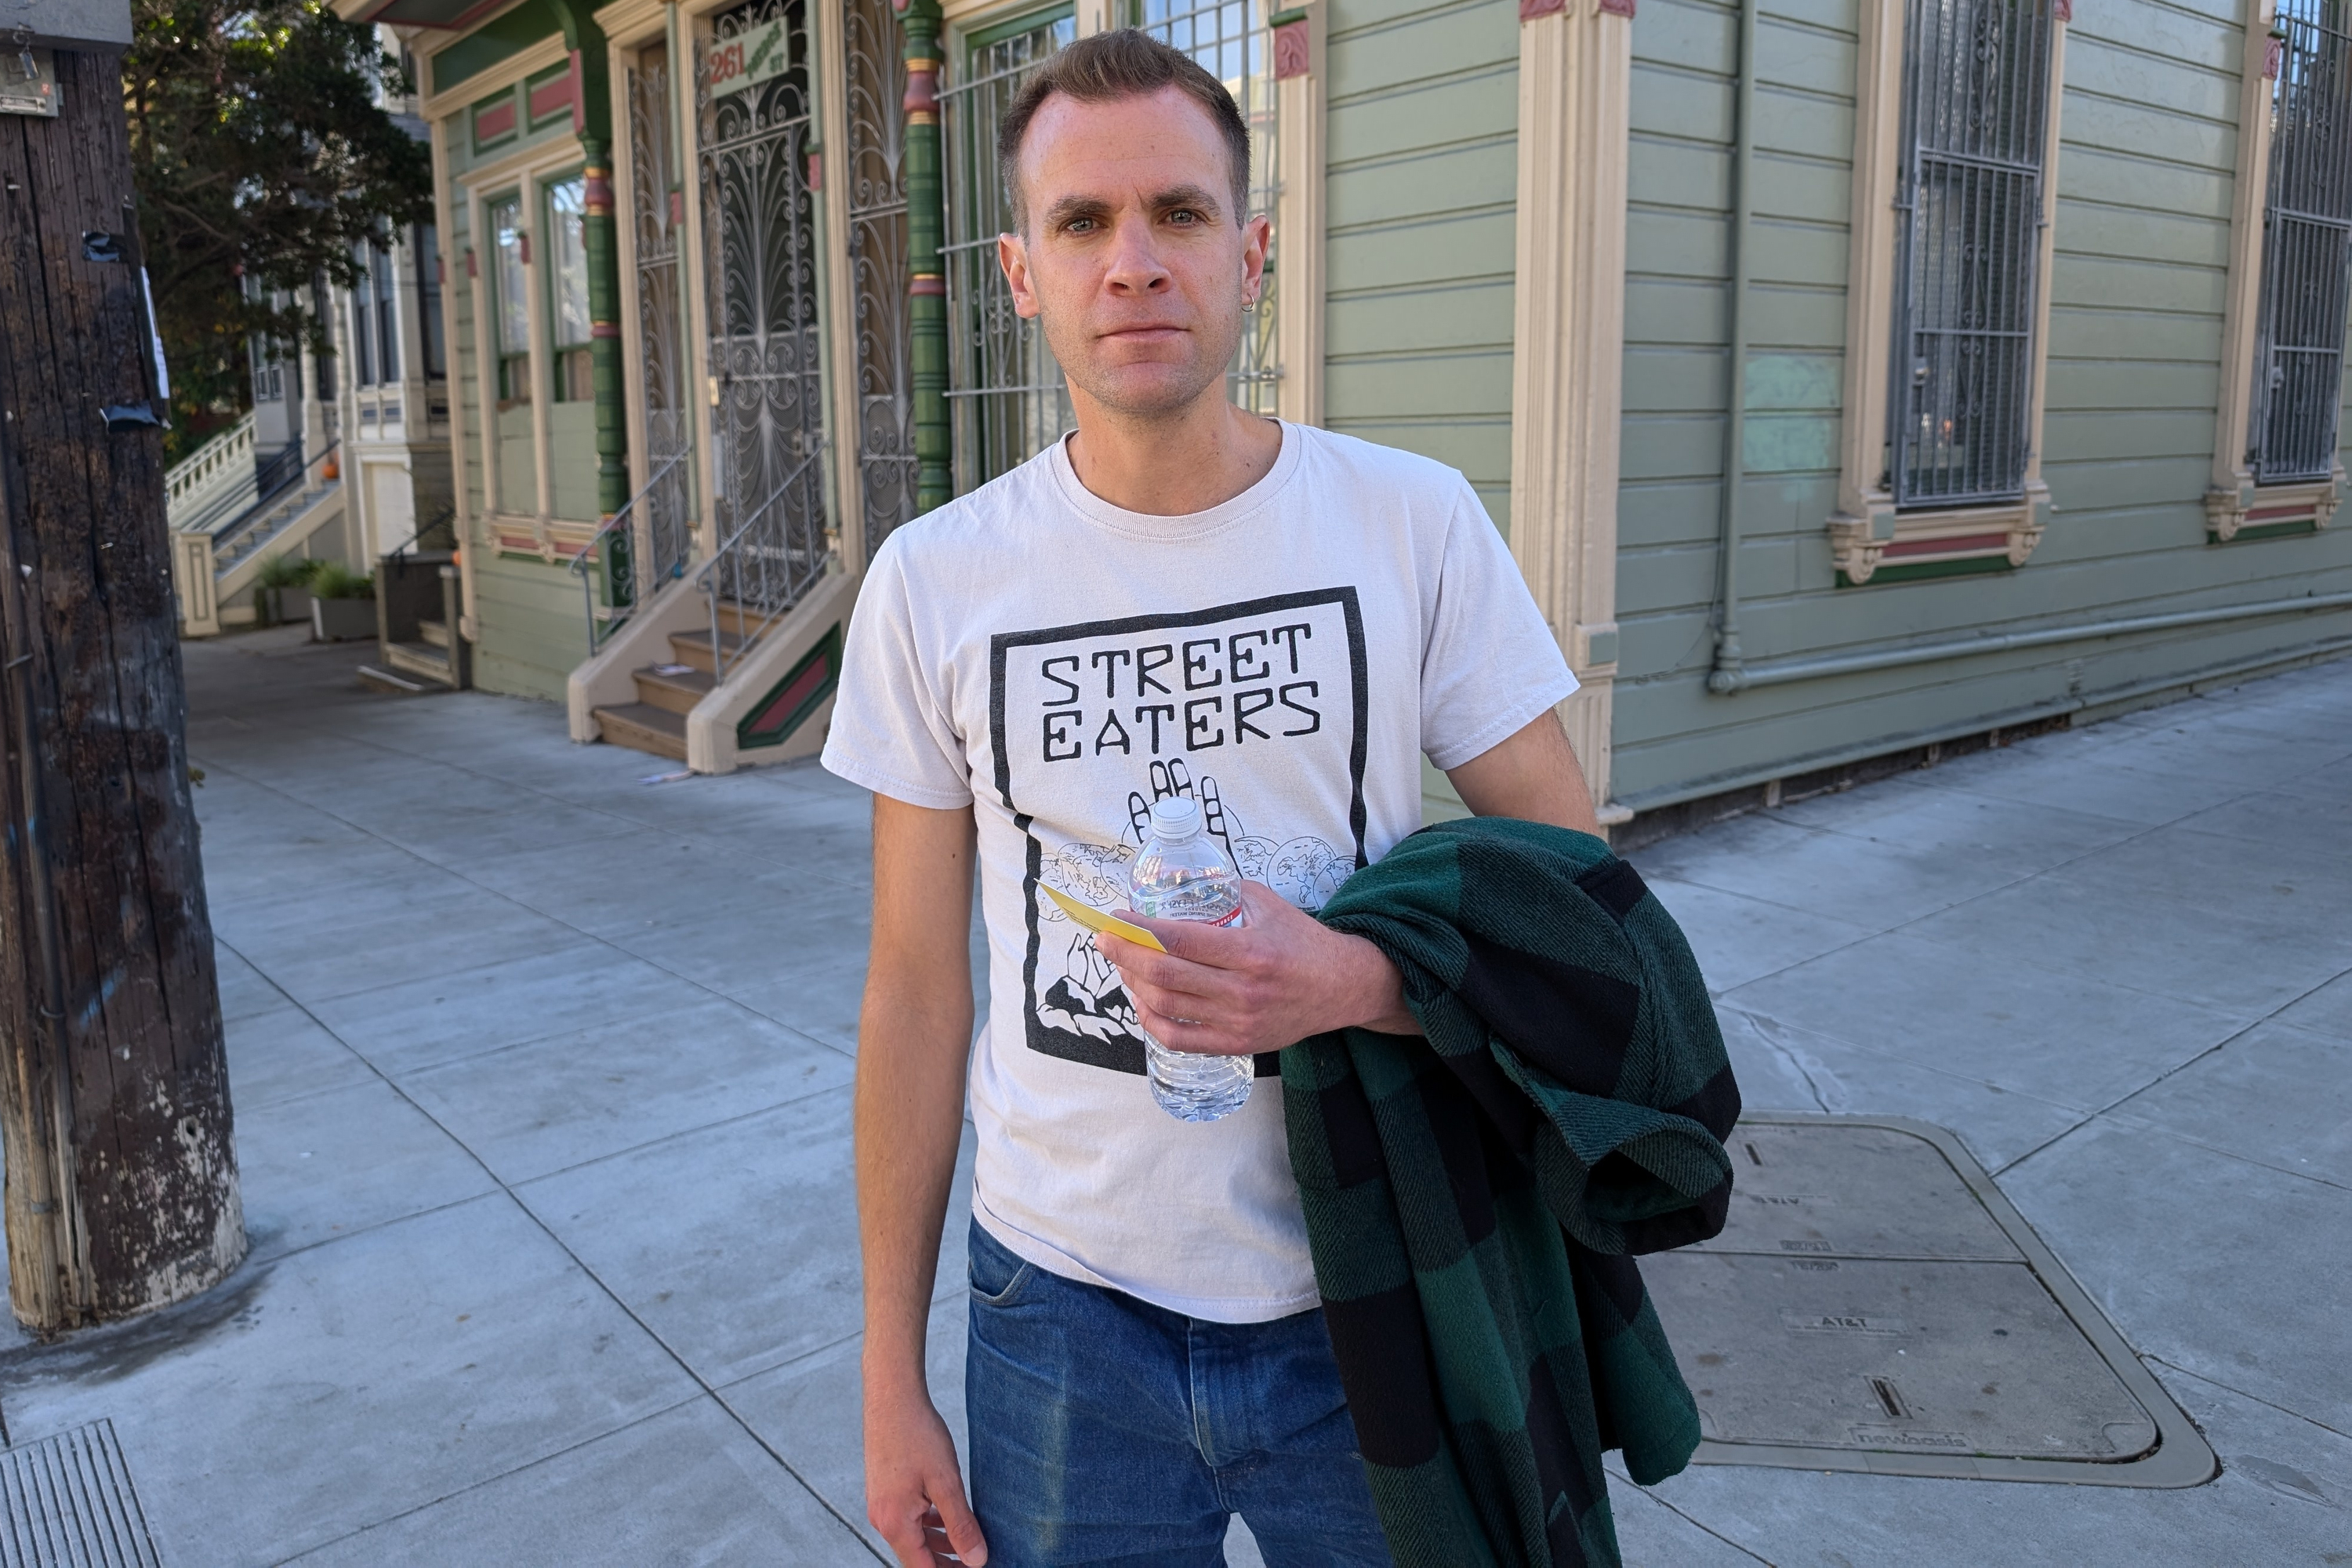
1094	919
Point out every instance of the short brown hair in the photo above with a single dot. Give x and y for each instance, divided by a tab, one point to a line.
1104	69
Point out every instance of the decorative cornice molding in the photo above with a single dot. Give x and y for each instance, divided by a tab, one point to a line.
1881	536
2230	510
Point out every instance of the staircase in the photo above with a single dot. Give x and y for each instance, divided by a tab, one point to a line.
251	538
416	598
667	693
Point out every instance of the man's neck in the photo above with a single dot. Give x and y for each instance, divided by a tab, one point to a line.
1177	464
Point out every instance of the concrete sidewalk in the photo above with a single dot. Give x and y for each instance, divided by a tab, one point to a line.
541	1075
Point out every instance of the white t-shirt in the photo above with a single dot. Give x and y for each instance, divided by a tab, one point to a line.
1059	663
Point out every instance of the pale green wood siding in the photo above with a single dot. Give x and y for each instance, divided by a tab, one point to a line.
529	614
2146	175
1421	186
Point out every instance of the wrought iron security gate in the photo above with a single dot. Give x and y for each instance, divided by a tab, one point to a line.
1004	392
657	213
1975	104
877	190
753	97
2307	235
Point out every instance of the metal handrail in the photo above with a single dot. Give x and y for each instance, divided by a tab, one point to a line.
284	472
732	547
601	628
400	550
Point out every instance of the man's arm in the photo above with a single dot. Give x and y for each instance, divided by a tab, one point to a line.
1533	776
913	1035
1286	975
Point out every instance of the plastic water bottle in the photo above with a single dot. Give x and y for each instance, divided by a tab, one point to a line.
1182	875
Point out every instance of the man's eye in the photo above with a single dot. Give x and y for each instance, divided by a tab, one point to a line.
1185	214
1079	226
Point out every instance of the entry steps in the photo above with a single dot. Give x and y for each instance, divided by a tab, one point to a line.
667	693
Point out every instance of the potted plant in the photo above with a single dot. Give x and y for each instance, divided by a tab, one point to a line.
343	604
281	590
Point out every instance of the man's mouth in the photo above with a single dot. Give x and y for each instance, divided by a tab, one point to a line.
1144	334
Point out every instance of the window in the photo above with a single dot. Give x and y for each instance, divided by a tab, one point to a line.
427	247
2298	381
1005	395
1972	189
269	370
1220	36
511	287
387	317
362	328
567	282
1955	168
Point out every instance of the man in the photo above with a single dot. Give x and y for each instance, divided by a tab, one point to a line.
1181	597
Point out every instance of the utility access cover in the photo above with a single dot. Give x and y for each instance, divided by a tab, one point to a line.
1875	1304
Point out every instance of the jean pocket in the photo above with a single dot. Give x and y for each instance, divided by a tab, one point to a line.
998	1274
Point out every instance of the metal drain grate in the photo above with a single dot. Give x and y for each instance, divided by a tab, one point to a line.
70	1504
1876	1304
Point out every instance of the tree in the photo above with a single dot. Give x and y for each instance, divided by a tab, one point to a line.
261	157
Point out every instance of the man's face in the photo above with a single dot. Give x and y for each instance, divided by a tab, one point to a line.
1133	258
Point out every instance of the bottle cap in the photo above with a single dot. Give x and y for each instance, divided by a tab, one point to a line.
1178	816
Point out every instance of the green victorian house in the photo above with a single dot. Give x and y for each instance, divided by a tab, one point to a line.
1854	379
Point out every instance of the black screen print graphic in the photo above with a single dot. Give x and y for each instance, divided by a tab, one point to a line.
1256	709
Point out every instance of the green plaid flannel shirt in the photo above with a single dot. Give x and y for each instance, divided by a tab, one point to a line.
1474	1198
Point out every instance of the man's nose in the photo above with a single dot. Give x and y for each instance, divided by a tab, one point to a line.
1135	265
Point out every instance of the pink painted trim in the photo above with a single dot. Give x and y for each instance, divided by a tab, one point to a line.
1967	542
1531	9
1617	7
492	123
1294	51
561	92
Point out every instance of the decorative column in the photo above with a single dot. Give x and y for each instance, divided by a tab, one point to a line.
927	284
591	113
1299	222
1575	88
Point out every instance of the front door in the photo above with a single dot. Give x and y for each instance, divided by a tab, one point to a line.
753	96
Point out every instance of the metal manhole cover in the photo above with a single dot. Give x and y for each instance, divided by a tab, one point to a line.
70	1504
1874	1303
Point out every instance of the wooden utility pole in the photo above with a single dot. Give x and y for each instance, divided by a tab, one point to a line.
121	1189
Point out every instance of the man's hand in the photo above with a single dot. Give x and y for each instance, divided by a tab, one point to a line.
912	1039
914	1494
1230	991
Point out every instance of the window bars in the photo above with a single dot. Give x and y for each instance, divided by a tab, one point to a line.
1976	107
1005	393
1219	36
2306	234
1005	396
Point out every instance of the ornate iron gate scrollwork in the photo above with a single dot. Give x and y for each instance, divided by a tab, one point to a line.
760	243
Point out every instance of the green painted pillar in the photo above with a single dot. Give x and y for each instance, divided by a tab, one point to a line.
593	116
605	332
926	288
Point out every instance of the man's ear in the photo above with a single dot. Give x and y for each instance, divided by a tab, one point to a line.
1012	255
1257	235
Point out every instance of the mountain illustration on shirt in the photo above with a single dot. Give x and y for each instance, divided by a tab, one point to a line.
1088	998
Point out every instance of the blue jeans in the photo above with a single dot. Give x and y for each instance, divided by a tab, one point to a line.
1106	1430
